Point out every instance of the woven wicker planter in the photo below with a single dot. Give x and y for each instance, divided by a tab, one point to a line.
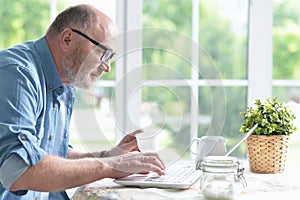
267	154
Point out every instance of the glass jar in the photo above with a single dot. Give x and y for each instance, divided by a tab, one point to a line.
222	177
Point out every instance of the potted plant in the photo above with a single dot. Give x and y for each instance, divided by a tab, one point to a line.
267	146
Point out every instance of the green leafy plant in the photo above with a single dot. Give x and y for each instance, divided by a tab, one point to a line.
272	117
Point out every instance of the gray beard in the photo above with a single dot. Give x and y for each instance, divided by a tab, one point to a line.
78	76
68	66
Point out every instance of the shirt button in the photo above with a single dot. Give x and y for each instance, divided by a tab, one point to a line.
23	137
36	198
51	137
55	105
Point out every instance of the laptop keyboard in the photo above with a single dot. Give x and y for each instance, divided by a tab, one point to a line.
178	176
175	175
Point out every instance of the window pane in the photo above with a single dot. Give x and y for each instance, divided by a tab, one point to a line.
167	109
291	96
168	15
286	47
226	43
166	39
287	94
236	102
19	25
223	34
220	109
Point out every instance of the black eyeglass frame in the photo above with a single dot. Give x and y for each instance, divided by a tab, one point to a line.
112	53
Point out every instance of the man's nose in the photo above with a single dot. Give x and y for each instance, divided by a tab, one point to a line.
105	66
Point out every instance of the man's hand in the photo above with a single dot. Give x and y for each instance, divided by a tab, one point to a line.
127	144
132	163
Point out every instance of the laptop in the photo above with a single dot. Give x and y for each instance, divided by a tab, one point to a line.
180	175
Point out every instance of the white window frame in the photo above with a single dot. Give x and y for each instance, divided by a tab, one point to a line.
260	52
128	67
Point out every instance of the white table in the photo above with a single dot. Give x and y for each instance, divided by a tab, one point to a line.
260	186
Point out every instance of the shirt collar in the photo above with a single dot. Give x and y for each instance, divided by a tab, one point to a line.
51	74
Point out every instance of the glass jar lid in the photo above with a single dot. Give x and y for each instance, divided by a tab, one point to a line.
220	160
220	164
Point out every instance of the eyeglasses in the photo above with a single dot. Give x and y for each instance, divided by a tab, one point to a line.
107	55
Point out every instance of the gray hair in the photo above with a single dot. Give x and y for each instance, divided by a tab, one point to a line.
80	17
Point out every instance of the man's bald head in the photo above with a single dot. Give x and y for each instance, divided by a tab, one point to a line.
85	18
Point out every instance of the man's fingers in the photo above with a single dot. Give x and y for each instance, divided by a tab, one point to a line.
136	162
148	167
157	159
135	132
154	163
131	136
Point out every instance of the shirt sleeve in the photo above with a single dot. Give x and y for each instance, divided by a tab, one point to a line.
11	170
20	108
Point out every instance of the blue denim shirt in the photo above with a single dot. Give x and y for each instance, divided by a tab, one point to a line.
35	112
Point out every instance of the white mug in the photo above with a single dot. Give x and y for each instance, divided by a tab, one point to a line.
147	141
209	146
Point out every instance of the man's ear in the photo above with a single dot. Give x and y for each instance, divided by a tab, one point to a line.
66	39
